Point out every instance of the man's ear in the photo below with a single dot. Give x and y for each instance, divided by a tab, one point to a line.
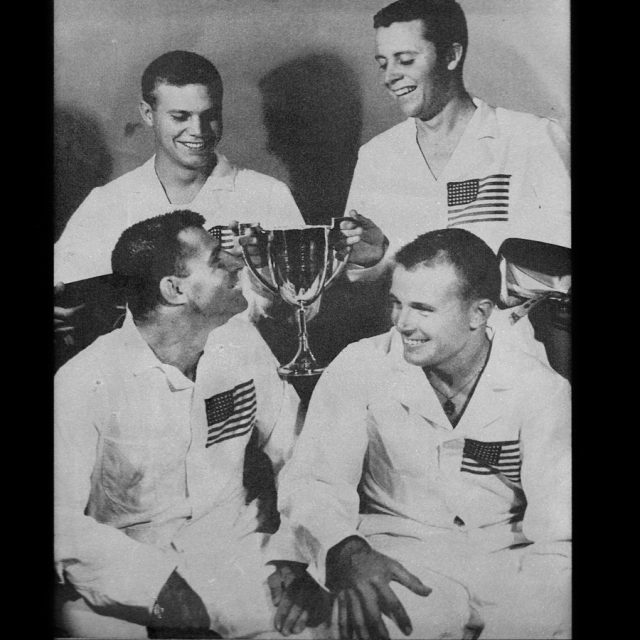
481	311
172	290
454	55
146	112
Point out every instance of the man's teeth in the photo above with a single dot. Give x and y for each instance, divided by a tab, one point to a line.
194	145
413	343
404	91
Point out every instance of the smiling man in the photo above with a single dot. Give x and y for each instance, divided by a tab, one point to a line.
437	456
455	161
152	421
181	102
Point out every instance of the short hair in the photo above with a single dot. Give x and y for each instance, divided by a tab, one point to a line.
179	68
443	22
148	251
476	264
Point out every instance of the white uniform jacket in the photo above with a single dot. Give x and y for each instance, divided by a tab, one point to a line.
375	419
143	455
507	178
230	193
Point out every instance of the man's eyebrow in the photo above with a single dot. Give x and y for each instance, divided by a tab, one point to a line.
422	306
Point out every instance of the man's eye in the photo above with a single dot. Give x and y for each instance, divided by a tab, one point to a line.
407	62
179	118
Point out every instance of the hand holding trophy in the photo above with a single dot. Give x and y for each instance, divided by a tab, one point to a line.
302	262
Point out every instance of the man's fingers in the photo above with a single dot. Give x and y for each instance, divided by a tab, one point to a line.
357	617
407	579
65	312
392	607
291	619
301	623
275	588
344	626
372	612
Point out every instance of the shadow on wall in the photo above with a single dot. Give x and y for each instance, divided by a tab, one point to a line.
81	162
519	86
312	111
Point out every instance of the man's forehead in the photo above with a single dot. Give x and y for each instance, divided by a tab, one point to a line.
423	281
197	238
174	92
401	35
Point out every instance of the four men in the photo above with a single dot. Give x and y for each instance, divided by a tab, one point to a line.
435	455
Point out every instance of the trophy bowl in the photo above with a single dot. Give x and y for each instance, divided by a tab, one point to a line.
302	262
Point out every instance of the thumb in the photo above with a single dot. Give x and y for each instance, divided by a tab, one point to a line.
407	579
275	587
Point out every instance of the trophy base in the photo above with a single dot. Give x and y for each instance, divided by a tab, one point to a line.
288	371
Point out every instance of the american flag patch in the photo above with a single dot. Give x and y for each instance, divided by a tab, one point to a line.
231	414
478	200
223	234
487	458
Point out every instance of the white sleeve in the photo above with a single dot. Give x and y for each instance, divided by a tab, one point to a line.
363	184
81	251
104	565
318	491
548	217
546	471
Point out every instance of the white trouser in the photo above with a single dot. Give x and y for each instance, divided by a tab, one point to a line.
507	593
223	563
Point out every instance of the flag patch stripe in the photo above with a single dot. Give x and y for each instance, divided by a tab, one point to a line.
232	413
250	411
469	200
486	458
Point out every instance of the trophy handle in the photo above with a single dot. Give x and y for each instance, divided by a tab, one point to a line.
341	263
255	272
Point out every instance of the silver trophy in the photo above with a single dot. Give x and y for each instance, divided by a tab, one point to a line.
302	262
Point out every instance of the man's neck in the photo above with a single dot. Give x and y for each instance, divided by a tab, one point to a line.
180	183
472	359
450	121
177	339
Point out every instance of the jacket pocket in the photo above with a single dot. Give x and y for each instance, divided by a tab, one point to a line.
143	476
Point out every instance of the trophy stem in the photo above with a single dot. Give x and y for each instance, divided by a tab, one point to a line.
304	362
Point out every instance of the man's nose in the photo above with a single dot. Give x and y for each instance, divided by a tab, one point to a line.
392	73
196	126
404	319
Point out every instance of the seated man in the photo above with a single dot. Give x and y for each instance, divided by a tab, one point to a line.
459	444
151	424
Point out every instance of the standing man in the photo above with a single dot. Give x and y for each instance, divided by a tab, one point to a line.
455	162
458	445
182	104
152	533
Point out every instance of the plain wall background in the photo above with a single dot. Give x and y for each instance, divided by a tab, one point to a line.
309	61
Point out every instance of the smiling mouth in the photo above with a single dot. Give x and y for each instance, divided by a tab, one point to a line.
195	146
403	92
413	343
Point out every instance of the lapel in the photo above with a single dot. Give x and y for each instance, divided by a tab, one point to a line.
410	387
475	149
488	401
